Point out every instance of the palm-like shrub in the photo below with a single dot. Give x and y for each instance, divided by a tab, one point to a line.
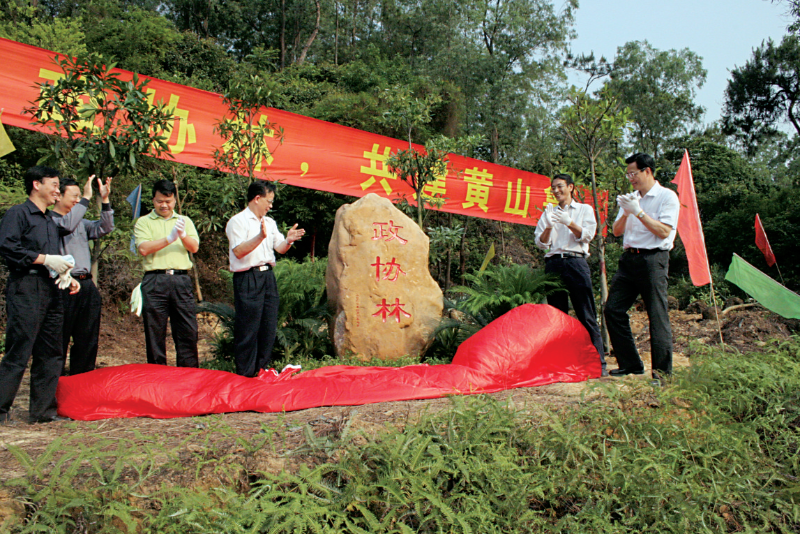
302	315
492	293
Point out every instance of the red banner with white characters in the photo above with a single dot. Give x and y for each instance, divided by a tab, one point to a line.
314	154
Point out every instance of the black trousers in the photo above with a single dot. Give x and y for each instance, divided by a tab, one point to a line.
255	295
82	325
575	275
642	274
35	315
169	297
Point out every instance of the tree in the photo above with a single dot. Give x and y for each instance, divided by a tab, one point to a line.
764	93
416	168
99	122
592	125
659	88
246	130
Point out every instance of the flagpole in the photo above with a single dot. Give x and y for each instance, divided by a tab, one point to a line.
716	310
779	273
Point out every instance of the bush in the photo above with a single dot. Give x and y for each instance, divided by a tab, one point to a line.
493	292
715	451
302	316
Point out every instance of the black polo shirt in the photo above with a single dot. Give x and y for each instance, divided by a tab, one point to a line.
26	232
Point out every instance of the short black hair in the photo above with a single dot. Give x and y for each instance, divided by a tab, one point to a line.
566	177
64	183
37	174
165	187
643	161
259	188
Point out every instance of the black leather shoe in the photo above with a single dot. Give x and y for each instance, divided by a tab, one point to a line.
623	372
53	419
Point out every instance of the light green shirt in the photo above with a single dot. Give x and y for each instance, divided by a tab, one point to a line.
152	227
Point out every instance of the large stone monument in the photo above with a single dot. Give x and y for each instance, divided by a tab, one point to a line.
385	303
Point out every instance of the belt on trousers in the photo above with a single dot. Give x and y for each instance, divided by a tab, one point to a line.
166	271
643	250
566	255
266	267
85	276
32	270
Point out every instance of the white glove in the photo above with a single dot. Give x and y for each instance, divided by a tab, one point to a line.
547	216
633	205
177	230
136	300
58	264
64	281
624	203
562	216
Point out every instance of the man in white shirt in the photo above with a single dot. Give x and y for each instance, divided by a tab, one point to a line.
252	238
565	232
648	218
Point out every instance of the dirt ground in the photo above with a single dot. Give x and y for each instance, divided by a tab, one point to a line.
122	342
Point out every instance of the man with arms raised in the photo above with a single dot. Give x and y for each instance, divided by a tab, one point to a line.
165	239
647	218
30	243
82	310
565	233
253	237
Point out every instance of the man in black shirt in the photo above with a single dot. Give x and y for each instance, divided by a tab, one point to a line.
29	242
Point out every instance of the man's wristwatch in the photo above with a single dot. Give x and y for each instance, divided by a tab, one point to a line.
640	214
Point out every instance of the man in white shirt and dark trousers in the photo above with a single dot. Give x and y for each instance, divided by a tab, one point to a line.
565	232
648	218
253	237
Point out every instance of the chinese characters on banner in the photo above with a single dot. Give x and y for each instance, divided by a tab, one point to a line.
314	154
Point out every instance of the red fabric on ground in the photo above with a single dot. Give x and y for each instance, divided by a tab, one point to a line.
532	345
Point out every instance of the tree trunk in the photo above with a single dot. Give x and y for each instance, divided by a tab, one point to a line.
191	256
312	37
283	34
495	141
601	247
462	252
336	36
449	254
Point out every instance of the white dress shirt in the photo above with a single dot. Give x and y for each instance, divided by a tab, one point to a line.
662	205
562	239
244	226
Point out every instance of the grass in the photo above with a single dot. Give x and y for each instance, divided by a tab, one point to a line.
715	451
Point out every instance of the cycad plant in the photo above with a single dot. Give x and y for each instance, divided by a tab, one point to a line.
491	293
302	315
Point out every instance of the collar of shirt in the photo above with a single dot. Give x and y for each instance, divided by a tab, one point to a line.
154	215
34	209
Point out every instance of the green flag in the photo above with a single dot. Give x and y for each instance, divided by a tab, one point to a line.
6	146
765	290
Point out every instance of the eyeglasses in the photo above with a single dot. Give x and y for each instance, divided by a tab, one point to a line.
634	173
558	187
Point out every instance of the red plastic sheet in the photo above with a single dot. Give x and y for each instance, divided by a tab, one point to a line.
532	345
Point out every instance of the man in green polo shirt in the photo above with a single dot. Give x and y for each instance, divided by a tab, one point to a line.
165	239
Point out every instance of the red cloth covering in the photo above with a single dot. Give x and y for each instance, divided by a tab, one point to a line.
532	345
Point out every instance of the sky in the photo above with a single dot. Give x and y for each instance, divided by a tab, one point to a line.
722	32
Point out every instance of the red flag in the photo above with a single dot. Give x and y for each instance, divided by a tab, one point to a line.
689	226
763	243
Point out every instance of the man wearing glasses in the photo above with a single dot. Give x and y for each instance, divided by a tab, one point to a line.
647	218
565	232
253	237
